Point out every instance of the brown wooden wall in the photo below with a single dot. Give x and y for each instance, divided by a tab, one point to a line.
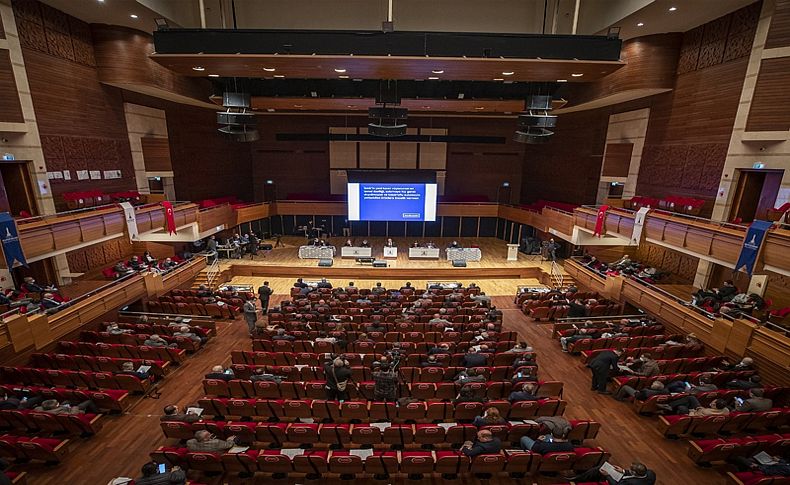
156	154
769	109
682	267
617	159
779	31
10	107
100	255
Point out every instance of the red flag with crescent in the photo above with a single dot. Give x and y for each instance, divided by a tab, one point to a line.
600	220
170	219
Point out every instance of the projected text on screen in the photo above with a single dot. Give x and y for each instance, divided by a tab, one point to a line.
391	202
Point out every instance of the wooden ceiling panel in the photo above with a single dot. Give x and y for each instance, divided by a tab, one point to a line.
374	67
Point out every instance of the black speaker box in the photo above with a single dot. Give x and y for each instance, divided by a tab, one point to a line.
379	264
266	247
459	263
325	262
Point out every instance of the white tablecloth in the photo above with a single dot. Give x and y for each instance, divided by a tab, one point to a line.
424	253
355	252
465	254
316	252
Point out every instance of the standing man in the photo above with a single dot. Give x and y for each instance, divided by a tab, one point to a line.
601	365
211	248
264	292
250	314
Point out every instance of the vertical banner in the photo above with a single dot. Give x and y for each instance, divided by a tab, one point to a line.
131	221
14	256
752	243
599	221
170	219
639	224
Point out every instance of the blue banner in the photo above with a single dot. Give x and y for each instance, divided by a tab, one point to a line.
14	257
752	243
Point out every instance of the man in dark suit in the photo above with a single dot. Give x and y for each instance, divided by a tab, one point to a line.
264	293
300	284
324	283
636	474
474	359
486	442
217	372
601	365
171	413
756	402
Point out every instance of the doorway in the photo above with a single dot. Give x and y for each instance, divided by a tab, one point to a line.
755	193
16	189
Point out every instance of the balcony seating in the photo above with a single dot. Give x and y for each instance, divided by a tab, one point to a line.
80	200
183	343
779	395
48	450
106	399
620	343
663	352
159	329
74	378
718	378
682	425
776	214
122	351
703	452
639	331
95	363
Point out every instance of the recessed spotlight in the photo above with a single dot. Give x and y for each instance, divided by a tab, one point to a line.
269	69
343	77
562	80
433	78
577	74
213	75
672	9
198	68
297	106
438	71
340	70
270	110
426	107
101	1
480	107
508	73
133	16
279	75
350	106
498	79
640	24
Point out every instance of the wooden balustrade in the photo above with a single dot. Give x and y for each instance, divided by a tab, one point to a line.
585	276
776	251
216	218
523	216
253	212
558	220
152	218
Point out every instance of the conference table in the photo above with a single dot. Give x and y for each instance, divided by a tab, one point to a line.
390	251
356	252
316	252
464	254
424	253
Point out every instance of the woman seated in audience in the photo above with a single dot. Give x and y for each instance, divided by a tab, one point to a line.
490	417
148	259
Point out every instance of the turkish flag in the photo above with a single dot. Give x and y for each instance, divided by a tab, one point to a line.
600	220
170	220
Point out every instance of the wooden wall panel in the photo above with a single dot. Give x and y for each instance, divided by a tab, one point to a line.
100	255
10	106
682	268
617	159
769	108
156	154
779	32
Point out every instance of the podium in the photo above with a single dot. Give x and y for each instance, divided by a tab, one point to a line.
512	252
390	252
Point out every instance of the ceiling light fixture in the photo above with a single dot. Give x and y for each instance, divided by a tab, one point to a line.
672	9
297	106
198	68
279	75
213	75
269	69
640	24
480	107
577	74
562	80
426	107
433	78
340	70
508	73
133	16
498	79
438	71
343	77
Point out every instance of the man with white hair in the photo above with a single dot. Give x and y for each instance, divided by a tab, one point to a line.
220	373
155	340
207	442
186	332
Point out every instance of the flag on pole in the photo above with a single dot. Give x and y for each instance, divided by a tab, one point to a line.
599	221
170	219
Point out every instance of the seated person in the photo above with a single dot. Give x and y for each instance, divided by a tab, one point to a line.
167	264
645	366
636	474
148	259
454	245
348	243
442	348
128	369
527	393
220	373
365	244
135	263
389	243
582	334
467	394
151	476
705	385
52	406
376	326
519	348
486	442
469	375
550	443
260	374
114	329
755	402
474	359
11	402
282	335
172	413
431	361
205	441
48	301
299	283
415	244
747	363
186	332
29	285
203	292
656	388
324	284
744	384
438	318
155	340
490	417
121	269
774	466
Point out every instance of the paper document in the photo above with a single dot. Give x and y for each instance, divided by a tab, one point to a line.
144	368
611	471
764	458
238	449
197	411
292	452
361	453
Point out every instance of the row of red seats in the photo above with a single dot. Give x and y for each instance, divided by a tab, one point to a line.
689	364
756	477
656	352
365	434
407	347
523	297
735	422
385	315
123	351
632	331
94	363
621	342
184	343
672	203
226	312
703	452
316	463
73	378
229	199
364	373
315	359
162	329
779	395
532	304
107	399
718	378
388	323
48	450
396	336
34	422
217	294
546	313
111	273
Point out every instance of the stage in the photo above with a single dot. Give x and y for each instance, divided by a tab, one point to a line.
494	273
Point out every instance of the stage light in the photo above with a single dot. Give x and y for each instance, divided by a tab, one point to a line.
640	24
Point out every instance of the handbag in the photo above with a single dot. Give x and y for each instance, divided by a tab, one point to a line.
341	386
